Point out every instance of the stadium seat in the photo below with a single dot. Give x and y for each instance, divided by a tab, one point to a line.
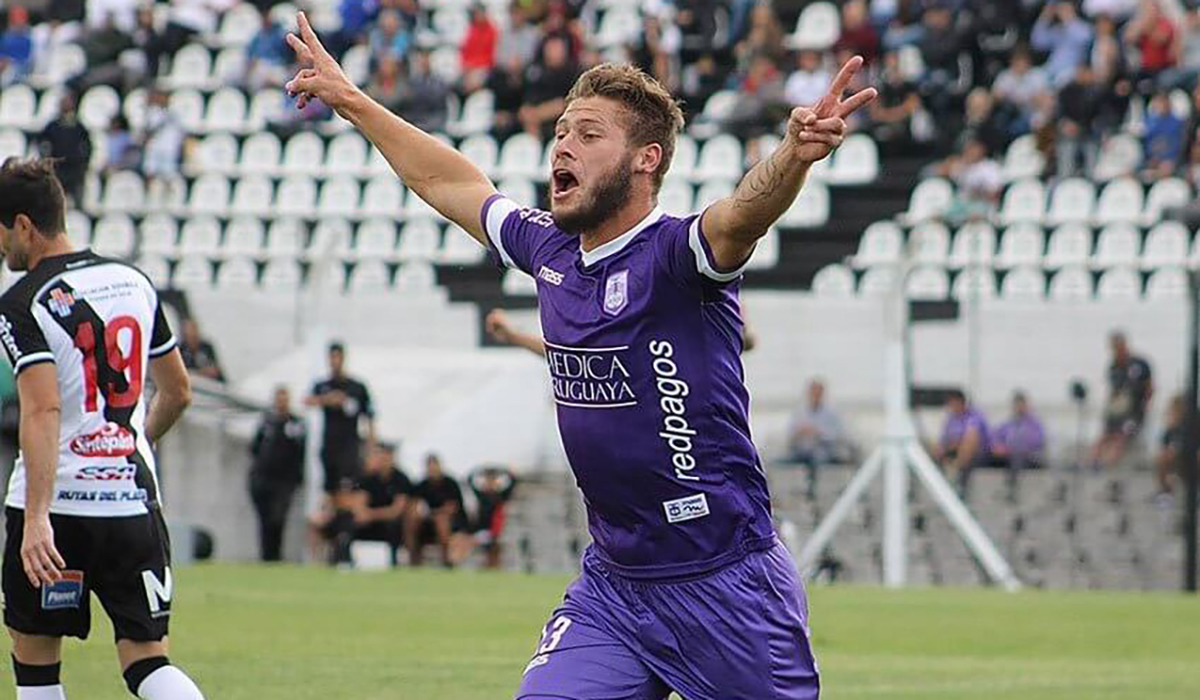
1165	194
476	116
711	191
833	282
266	107
1120	201
416	278
1120	284
1071	284
383	196
237	274
974	244
229	68
377	165
296	196
200	237
675	197
1119	245
817	27
238	25
929	244
304	153
191	68
12	144
881	244
210	195
720	157
450	24
1021	246
97	108
124	191
64	62
1024	202
927	284
327	276
339	197
281	275
243	238
114	236
252	195
134	109
18	107
159	234
49	103
1166	246
157	269
878	282
192	274
1181	104
1120	157
1024	284
518	284
446	63
459	248
520	156
683	163
1167	283
1070	245
216	154
347	154
376	240
809	209
285	239
416	208
79	227
1073	201
618	26
370	276
930	200
260	154
1023	160
357	64
519	190
226	111
856	161
331	239
188	108
419	240
766	252
482	151
974	283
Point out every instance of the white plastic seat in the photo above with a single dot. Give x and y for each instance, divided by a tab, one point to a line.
1120	157
209	195
217	153
296	196
683	163
1070	246
304	153
817	27
1165	194
810	209
1121	201
243	238
1024	284
12	144
347	154
159	235
720	157
260	154
856	161
191	67
64	62
1071	284
285	239
226	111
252	196
419	240
416	278
237	274
712	191
331	239
98	106
878	282
377	165
79	227
450	24
930	200
476	116
18	107
1166	246
201	236
881	244
720	105
766	251
370	276
927	284
124	192
519	190
445	62
618	26
114	236
133	108
1073	201
833	282
229	68
192	274
520	156
376	239
1119	245
383	196
974	244
1023	160
675	197
518	284
929	244
1167	283
974	283
1021	246
482	151
188	108
267	106
156	268
339	197
282	275
1024	202
459	248
328	276
1120	284
416	208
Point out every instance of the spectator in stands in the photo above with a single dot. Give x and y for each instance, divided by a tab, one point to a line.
1155	36
700	81
858	34
387	86
1107	56
546	84
103	45
187	20
436	514
559	24
425	104
121	13
1163	139
518	44
16	47
987	121
67	141
121	153
979	182
1166	462
1119	10
965	441
507	81
809	82
657	50
1060	31
816	435
1020	442
941	43
477	55
267	56
1020	85
764	38
382	498
346	405
1078	137
1130	386
892	114
493	488
199	355
761	100
162	140
390	37
276	472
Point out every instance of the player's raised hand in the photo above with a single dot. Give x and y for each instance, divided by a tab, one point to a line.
815	131
498	327
43	564
320	76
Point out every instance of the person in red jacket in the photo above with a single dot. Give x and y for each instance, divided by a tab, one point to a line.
478	51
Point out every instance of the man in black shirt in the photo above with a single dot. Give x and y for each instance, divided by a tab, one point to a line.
435	514
66	140
1130	386
345	402
493	487
278	468
199	355
382	498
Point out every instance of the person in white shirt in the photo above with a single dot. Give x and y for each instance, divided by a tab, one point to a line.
809	82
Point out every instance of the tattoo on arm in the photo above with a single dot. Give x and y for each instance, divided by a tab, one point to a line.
760	183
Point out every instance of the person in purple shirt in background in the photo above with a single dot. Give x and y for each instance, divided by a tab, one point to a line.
965	442
1019	443
686	587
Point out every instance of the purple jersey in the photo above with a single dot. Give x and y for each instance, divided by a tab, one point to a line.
643	341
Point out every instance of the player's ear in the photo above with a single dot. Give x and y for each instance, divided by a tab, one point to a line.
23	225
648	159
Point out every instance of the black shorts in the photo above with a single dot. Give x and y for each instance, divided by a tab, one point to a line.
427	530
125	561
341	467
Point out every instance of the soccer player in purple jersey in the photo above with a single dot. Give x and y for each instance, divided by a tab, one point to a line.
686	586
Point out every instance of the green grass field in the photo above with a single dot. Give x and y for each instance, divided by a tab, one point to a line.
261	633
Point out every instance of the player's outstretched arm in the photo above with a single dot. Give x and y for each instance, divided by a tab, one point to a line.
173	397
733	225
440	175
41	413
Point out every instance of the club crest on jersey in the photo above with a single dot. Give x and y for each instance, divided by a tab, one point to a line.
110	441
65	593
616	292
61	302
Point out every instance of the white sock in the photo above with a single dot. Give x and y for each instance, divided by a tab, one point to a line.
167	683
40	692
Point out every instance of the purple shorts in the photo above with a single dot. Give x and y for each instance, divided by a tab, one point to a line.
738	633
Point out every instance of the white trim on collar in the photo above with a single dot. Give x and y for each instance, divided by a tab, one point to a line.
591	257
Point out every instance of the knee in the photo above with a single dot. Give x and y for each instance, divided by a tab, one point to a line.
35	650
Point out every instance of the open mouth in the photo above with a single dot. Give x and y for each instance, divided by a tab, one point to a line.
564	182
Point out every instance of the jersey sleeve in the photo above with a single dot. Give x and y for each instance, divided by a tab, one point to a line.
23	340
516	234
162	340
686	256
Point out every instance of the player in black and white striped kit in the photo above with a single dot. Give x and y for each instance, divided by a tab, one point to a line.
82	333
